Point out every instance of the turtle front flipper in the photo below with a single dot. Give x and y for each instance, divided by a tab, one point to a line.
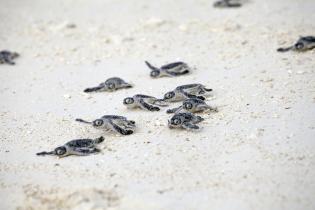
153	68
46	153
188	95
83	151
120	129
174	74
147	106
9	61
285	49
226	4
93	89
160	102
174	110
233	4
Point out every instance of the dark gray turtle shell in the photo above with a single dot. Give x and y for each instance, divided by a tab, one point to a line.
172	65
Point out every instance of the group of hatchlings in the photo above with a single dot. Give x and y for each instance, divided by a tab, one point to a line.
192	97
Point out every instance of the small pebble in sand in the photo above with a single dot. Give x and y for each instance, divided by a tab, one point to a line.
67	96
154	22
183	27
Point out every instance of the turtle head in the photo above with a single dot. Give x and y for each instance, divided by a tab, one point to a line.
299	46
155	73
129	102
169	95
60	151
188	105
98	123
174	122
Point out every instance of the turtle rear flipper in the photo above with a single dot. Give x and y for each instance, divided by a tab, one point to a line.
190	126
120	129
126	85
99	140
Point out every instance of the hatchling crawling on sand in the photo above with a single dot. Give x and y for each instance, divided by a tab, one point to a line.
193	105
8	57
183	92
109	85
144	102
169	70
79	147
226	4
185	120
116	123
304	43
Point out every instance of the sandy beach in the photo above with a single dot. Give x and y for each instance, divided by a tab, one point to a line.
257	152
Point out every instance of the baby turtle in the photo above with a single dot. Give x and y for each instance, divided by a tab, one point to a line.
116	123
226	4
170	70
303	44
79	147
8	57
144	102
193	105
185	120
183	92
109	85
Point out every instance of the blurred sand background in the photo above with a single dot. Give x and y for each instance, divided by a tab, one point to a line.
257	152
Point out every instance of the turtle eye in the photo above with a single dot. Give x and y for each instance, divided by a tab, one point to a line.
168	95
128	100
98	122
154	73
299	45
188	105
111	86
176	121
60	150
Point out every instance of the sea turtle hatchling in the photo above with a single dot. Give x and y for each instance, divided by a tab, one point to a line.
185	120
116	123
109	85
304	43
226	4
8	57
170	70
193	105
144	102
79	147
183	92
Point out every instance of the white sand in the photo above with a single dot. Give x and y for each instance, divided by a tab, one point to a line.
256	153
